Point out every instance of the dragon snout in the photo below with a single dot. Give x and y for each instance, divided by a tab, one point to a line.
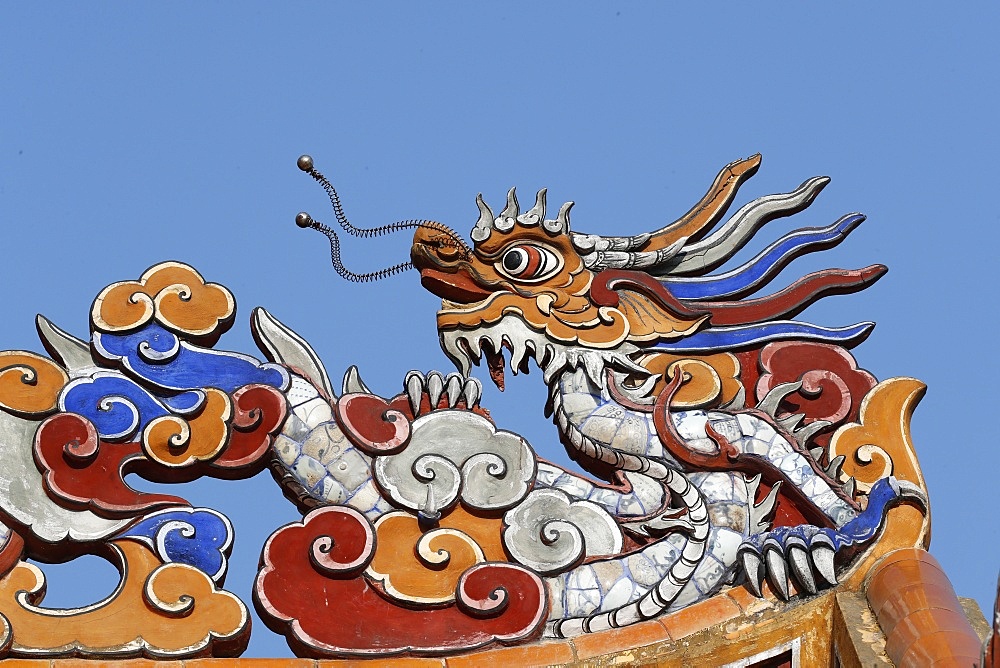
444	267
434	249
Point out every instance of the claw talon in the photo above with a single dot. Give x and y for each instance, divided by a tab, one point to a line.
777	573
453	388
435	387
798	561
414	384
472	392
754	568
822	557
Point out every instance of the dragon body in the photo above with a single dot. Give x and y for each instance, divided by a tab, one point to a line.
706	420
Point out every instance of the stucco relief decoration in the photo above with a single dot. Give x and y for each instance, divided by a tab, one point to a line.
723	445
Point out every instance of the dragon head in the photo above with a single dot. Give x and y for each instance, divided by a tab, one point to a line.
534	287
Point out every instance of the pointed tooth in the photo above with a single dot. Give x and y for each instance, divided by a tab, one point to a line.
833	470
624	363
850	487
504	339
453	388
497	344
547	410
554	367
414	384
529	346
518	351
457	353
353	383
769	404
798	561
550	405
475	346
548	352
435	386
817	452
754	568
822	558
472	392
777	573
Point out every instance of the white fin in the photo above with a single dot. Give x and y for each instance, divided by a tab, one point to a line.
280	344
71	352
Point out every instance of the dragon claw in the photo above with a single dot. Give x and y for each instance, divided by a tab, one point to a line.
806	553
452	388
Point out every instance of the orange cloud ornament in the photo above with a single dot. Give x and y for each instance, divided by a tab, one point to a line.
171	293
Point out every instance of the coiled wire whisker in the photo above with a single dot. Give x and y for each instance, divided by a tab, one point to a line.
449	237
304	220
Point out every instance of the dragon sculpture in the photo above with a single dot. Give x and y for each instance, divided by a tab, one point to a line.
720	438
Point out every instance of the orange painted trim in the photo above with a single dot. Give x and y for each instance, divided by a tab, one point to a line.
918	611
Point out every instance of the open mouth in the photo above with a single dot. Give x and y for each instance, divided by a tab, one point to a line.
511	338
494	356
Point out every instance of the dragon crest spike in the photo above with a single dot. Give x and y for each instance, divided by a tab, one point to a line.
484	225
562	219
536	214
505	221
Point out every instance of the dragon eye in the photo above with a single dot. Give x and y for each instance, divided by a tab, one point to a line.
528	262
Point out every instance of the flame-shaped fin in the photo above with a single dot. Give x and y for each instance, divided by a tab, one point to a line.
282	345
707	212
793	299
740	228
716	339
68	350
353	383
761	269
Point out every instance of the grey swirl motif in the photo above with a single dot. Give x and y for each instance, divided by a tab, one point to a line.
457	455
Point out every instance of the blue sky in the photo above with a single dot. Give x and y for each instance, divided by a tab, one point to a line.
134	133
